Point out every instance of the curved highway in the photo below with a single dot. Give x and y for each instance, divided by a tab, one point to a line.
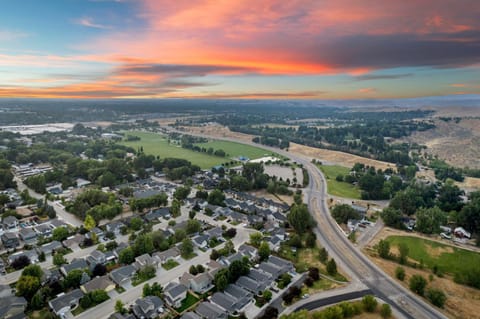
358	267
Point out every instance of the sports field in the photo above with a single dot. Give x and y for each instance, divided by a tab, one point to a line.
336	188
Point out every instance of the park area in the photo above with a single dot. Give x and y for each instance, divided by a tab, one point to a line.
336	188
158	145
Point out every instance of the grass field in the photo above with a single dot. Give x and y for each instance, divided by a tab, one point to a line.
449	259
336	188
157	144
236	149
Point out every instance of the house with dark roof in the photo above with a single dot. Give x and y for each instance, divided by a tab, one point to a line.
10	240
76	263
248	251
13	307
190	315
115	227
28	235
174	294
169	254
208	310
145	260
284	264
261	277
199	283
10	222
44	229
50	247
228	303
201	241
96	257
122	276
65	302
251	285
242	296
149	307
73	242
31	254
118	315
56	223
271	269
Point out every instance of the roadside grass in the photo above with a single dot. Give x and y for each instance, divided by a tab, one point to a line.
319	285
336	188
187	303
40	314
170	264
233	149
446	258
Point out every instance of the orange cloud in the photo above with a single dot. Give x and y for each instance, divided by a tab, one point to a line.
367	90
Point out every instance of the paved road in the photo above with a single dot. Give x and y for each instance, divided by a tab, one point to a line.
59	209
357	266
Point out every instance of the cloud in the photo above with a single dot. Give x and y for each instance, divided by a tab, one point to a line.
88	22
181	70
369	77
367	90
8	35
255	95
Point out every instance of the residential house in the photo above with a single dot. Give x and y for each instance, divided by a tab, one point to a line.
115	227
122	276
65	302
118	315
250	284
56	223
226	261
44	229
144	261
208	310
96	257
28	235
169	254
274	243
98	283
73	242
50	247
31	254
190	315
231	305
10	222
174	294
149	307
213	267
199	283
248	251
13	307
271	269
10	240
242	296
284	264
201	241
215	232
76	263
95	232
261	277
121	246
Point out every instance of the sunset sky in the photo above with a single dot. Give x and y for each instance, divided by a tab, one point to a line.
315	49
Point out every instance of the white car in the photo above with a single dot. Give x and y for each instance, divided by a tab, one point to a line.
443	235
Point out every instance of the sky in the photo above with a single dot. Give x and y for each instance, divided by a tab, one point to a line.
318	49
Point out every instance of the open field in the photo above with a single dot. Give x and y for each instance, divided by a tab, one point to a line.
217	131
462	301
158	145
336	188
449	259
236	149
340	158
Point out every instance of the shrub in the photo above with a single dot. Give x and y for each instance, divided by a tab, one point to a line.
418	284
386	311
400	273
436	297
369	303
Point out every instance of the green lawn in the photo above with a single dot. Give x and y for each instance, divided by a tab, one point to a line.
448	259
157	144
237	149
336	188
170	264
188	302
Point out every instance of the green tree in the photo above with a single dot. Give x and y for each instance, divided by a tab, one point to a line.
186	249
436	297
143	244
264	251
33	270
193	226
216	197
181	193
343	212
429	220
126	256
27	286
300	219
383	249
60	233
449	197
89	222
403	250
323	255
418	284
73	278
221	279
175	209
392	217
136	223
120	308
400	273
385	311
332	267
267	295
59	260
256	239
369	303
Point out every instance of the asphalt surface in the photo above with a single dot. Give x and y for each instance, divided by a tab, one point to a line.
312	305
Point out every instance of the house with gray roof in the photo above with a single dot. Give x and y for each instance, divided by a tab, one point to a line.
242	296
65	302
44	229
122	276
56	223
13	307
10	240
201	241
145	260
115	227
251	285
31	254
28	235
190	315
169	254
249	251
98	283
76	263
261	277
228	303
270	269
208	310
284	264
50	247
10	222
174	294
149	307
96	257
73	242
